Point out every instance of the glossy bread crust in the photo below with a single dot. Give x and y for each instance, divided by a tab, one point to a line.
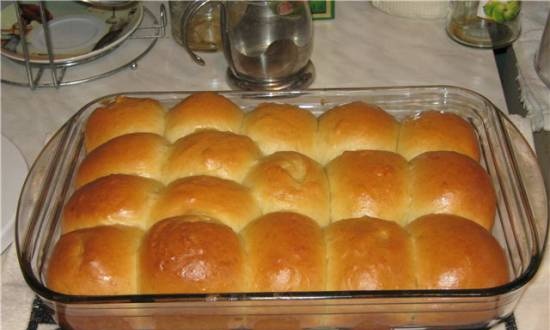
290	181
125	115
139	154
285	252
202	110
223	154
437	131
355	126
369	183
281	127
455	253
448	182
225	200
191	254
369	254
95	261
114	199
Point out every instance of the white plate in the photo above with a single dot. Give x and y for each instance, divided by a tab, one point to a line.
73	34
14	172
67	16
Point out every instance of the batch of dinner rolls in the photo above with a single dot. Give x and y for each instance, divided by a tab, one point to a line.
205	197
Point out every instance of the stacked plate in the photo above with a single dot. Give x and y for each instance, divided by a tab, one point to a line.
78	31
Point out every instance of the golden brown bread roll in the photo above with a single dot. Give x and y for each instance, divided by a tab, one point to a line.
281	127
95	261
290	181
141	154
437	131
455	253
191	254
448	182
369	183
368	254
225	200
223	154
285	252
204	110
124	115
355	126
113	199
192	245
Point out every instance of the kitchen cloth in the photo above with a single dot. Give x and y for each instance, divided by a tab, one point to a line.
16	297
535	95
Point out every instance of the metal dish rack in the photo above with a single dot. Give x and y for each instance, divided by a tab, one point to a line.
34	72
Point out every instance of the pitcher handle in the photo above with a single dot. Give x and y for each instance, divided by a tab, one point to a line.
226	46
188	14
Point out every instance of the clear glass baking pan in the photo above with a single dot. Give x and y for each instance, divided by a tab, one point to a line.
521	228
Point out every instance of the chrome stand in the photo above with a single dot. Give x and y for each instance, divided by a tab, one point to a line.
300	80
150	29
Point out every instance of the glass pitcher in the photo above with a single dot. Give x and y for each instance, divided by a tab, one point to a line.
262	41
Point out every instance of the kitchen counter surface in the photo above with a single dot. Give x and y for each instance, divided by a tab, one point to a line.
362	47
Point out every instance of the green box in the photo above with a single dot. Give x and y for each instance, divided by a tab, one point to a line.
322	9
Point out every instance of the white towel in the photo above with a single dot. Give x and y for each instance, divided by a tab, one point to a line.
17	297
535	95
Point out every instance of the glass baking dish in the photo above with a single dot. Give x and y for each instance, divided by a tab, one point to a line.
521	228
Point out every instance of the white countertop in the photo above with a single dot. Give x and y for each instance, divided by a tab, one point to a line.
362	47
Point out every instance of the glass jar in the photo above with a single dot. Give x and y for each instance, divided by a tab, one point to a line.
484	24
204	28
